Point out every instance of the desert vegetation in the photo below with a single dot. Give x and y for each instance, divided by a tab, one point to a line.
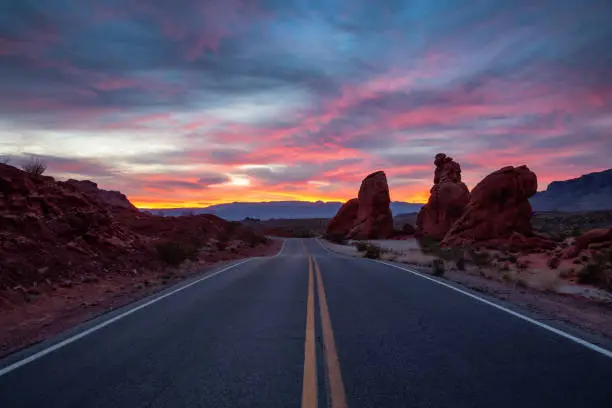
34	166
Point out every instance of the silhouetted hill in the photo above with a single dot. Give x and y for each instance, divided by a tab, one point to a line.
276	210
591	192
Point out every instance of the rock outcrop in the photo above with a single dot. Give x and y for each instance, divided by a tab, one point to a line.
368	216
52	231
499	212
448	199
374	217
344	220
114	199
596	239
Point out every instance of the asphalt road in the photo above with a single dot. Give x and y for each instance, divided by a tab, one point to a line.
309	328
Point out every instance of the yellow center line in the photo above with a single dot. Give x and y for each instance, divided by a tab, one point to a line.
336	386
305	249
309	385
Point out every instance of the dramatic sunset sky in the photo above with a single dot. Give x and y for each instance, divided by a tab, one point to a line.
195	102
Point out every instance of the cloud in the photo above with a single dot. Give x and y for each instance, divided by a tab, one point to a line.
156	97
212	179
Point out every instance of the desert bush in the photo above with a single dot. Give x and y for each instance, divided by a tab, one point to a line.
592	273
408	229
480	258
575	232
361	246
554	262
34	166
175	253
303	233
372	252
598	271
438	268
336	239
253	239
429	246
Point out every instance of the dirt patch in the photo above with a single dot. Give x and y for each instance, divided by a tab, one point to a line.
36	315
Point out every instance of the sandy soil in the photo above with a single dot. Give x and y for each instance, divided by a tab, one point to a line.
579	305
34	317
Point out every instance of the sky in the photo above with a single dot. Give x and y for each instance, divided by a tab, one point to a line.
189	103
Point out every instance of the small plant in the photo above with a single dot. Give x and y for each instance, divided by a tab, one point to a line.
438	267
480	259
554	262
339	239
174	253
35	167
429	246
373	252
460	263
592	273
361	246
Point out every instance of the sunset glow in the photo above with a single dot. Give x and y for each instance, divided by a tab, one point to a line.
190	103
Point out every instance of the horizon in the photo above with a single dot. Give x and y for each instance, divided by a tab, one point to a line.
169	105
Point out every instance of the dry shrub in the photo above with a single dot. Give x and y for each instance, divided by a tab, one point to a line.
34	166
438	267
175	253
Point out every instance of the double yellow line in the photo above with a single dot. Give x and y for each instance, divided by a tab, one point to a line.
336	391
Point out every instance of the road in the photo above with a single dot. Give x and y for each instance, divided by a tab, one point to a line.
303	329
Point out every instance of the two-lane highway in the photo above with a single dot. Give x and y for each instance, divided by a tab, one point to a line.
309	328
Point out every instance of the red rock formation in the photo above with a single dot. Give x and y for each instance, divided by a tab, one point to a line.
344	220
499	212
374	218
447	201
114	199
596	239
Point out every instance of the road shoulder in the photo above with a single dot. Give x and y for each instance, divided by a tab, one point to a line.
588	320
68	310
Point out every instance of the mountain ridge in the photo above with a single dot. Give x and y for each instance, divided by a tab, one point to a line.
589	192
267	210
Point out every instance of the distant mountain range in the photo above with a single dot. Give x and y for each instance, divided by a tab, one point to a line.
276	210
591	192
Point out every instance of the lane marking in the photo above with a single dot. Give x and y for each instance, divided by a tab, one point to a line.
309	384
329	251
281	250
544	326
575	339
94	329
336	386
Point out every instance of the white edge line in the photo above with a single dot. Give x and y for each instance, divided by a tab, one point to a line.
545	326
558	332
94	329
281	250
326	248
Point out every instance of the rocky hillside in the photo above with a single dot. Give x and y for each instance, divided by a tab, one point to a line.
58	233
591	192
